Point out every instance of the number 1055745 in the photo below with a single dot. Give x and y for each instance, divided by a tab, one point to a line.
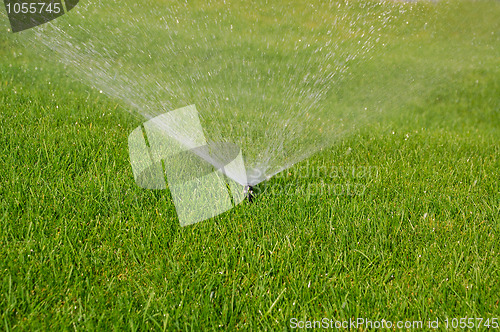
34	8
471	323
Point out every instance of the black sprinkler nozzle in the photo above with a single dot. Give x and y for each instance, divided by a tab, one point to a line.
249	192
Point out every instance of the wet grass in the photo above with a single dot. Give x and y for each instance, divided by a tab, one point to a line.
399	221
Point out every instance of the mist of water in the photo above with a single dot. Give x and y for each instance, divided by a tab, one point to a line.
271	78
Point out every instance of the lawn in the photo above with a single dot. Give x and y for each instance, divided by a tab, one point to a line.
397	220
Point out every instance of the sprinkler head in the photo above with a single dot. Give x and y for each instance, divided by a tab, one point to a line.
249	192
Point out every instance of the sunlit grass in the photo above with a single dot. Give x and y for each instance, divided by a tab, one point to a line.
83	247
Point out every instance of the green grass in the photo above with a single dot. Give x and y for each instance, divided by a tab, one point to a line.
83	247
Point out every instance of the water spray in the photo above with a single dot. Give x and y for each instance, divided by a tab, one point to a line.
301	84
